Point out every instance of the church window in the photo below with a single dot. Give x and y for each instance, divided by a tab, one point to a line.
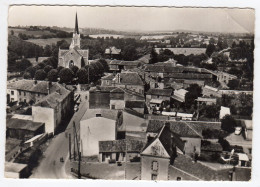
71	63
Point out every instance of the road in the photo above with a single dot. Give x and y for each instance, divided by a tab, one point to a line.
50	166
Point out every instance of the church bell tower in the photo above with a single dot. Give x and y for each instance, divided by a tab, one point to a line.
75	43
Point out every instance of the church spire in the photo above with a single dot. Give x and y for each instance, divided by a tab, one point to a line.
76	25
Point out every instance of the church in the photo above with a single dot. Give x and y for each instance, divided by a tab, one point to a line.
74	56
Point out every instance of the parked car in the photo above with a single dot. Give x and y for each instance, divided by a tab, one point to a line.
238	130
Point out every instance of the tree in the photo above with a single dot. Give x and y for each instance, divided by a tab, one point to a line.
52	75
104	64
66	75
59	69
219	58
74	69
23	64
209	111
31	70
228	124
41	64
47	51
47	68
154	57
210	49
40	75
82	75
27	75
233	84
194	91
129	53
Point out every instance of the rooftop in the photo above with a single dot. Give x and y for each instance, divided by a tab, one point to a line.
129	145
14	167
108	77
23	124
112	50
162	92
134	104
105	113
131	78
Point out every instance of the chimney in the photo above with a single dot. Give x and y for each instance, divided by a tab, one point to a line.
48	87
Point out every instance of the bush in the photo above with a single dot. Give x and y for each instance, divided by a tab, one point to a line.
224	143
31	70
27	75
47	68
82	75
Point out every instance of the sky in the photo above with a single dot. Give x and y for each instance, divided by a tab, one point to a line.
136	18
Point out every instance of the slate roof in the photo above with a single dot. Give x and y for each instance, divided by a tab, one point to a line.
161	92
23	124
129	145
131	78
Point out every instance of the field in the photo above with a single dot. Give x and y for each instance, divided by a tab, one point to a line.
34	33
185	51
49	41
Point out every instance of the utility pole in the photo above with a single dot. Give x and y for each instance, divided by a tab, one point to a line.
70	145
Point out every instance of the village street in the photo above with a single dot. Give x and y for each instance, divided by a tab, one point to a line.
50	166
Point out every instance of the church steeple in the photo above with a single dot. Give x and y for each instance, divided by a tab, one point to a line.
76	25
75	43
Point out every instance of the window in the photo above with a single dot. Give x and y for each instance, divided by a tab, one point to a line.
24	100
20	93
12	92
113	107
24	93
12	99
98	115
154	177
155	166
178	178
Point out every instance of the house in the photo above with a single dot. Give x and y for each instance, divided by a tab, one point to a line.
117	99
156	93
145	59
120	65
243	160
225	77
74	56
113	53
16	170
209	91
248	128
97	125
30	91
206	100
107	80
138	106
210	149
179	95
159	153
190	133
23	129
54	108
131	81
120	150
224	111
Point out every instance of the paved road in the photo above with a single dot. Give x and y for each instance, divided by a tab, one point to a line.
50	166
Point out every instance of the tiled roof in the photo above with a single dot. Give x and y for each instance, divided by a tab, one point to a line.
108	77
52	100
124	145
102	88
34	86
209	146
131	78
23	124
181	128
162	92
125	63
188	76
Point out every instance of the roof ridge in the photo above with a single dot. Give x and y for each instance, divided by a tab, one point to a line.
192	129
